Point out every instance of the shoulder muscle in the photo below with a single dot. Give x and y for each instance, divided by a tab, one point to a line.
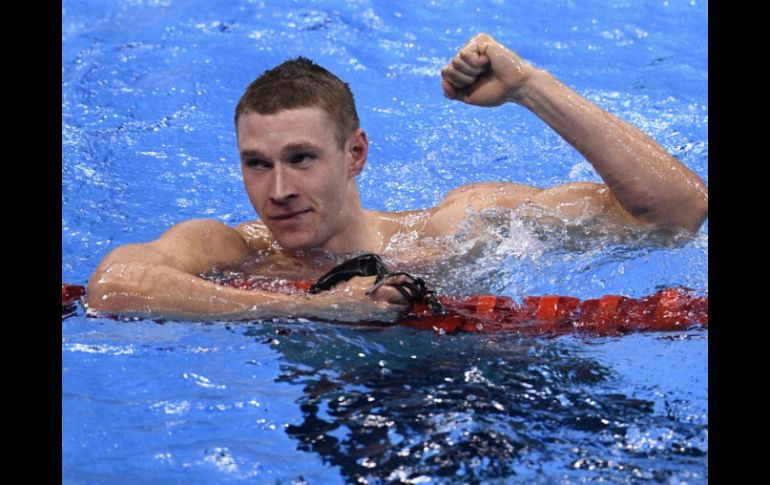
189	246
451	211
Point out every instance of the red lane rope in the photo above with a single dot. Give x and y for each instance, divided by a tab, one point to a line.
70	295
669	309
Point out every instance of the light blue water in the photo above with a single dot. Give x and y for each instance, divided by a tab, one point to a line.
148	93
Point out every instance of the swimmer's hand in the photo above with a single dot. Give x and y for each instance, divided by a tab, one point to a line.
485	73
359	300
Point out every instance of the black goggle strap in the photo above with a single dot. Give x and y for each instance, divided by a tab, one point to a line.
413	291
364	265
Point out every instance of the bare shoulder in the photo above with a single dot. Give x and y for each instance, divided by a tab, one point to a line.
205	239
391	223
256	234
501	193
202	234
202	227
451	211
187	246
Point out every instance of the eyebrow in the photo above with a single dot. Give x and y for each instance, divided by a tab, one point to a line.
290	148
299	146
251	154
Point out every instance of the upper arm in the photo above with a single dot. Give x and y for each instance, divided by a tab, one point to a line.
584	201
577	201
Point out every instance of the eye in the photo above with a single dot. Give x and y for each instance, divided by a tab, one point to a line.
256	163
301	158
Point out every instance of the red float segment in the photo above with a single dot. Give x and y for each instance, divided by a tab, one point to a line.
70	293
69	297
485	304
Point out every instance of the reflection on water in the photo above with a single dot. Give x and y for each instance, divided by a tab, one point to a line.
394	405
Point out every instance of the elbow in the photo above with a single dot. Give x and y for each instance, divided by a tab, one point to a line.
105	297
695	212
686	216
108	293
700	213
674	217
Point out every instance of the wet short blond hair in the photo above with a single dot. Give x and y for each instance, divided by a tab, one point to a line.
301	83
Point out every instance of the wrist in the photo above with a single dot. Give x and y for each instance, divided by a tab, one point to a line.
533	88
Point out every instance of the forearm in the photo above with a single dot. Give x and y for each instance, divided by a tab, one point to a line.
648	182
145	290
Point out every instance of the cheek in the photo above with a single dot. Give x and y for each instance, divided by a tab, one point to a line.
333	201
328	188
248	185
253	191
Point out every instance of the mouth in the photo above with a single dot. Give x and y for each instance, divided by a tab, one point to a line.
289	216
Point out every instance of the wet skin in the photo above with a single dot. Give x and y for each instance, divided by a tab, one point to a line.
301	181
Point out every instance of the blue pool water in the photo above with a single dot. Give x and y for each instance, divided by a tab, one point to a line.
148	92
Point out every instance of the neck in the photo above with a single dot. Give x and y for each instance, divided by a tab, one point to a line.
361	231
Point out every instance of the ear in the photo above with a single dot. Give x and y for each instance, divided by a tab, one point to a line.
358	147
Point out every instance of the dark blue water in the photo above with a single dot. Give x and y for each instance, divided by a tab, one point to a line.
149	89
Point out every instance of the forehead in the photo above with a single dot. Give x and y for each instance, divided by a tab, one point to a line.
287	126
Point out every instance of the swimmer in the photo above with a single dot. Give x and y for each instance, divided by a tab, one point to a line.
301	149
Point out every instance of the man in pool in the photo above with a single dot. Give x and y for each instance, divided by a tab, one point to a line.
301	149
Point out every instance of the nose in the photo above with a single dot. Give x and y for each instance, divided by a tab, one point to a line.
282	187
